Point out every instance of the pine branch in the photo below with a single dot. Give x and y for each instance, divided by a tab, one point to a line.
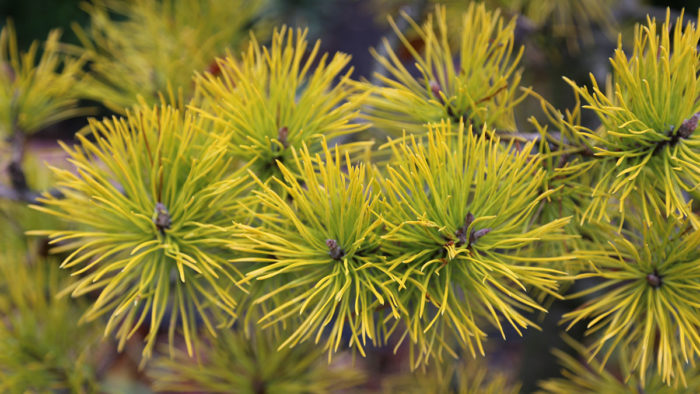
14	169
19	190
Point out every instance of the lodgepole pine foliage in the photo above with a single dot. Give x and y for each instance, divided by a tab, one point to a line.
280	97
649	112
36	86
324	245
646	301
241	230
152	197
480	86
458	213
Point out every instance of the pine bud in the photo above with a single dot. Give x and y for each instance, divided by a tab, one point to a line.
336	252
654	280
688	126
162	219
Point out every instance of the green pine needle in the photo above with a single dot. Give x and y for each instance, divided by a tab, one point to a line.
147	47
592	378
37	88
459	378
42	349
234	362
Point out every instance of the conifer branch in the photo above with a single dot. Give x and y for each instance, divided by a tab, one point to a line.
20	190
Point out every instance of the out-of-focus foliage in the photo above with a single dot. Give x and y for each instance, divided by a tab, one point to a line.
38	331
570	20
37	87
234	362
38	347
579	376
146	47
458	378
465	72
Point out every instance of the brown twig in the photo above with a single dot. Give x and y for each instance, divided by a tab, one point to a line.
19	188
17	142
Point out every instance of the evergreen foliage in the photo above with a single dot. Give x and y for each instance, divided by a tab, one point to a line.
458	208
278	97
152	196
323	240
36	86
477	81
458	378
646	301
569	19
232	225
252	365
38	351
591	377
648	112
150	47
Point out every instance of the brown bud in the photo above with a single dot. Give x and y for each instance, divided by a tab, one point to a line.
461	233
7	70
654	280
475	235
336	252
435	89
688	126
282	134
162	219
214	68
468	220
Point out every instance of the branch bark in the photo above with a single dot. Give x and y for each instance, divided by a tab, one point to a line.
19	190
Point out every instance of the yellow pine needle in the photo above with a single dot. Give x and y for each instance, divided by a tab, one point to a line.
644	304
640	145
280	97
132	248
326	290
442	180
